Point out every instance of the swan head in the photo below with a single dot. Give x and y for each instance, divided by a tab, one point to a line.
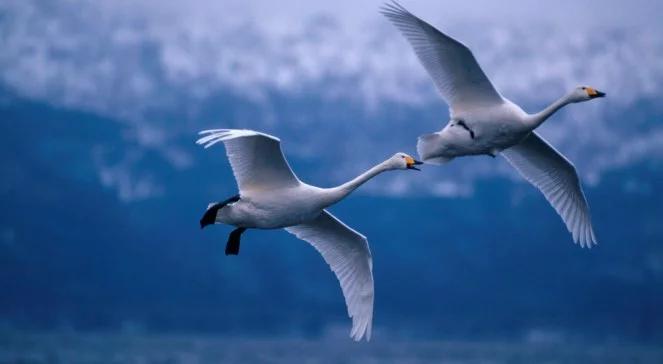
402	161
585	93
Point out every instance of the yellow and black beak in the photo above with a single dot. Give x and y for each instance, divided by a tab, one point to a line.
411	163
593	93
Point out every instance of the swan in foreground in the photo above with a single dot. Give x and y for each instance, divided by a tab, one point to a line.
484	122
271	197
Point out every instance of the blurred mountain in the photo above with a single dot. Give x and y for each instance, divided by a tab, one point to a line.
342	95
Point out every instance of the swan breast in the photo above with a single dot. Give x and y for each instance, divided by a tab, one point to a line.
272	209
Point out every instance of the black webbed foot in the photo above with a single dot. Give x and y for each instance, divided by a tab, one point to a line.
232	247
462	123
210	215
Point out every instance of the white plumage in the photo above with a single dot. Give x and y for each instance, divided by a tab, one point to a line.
456	74
540	164
485	123
256	158
347	253
271	196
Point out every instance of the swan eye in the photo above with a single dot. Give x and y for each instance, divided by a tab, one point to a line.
584	88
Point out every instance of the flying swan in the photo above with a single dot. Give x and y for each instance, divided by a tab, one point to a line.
483	122
271	197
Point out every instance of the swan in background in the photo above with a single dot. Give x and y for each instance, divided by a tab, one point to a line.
271	197
484	122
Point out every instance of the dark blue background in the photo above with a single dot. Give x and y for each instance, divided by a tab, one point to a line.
483	266
102	186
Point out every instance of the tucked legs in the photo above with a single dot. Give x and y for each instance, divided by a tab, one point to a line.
232	247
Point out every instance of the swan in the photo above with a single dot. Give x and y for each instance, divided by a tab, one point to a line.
271	197
484	122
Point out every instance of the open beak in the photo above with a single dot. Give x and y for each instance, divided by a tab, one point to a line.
411	163
595	93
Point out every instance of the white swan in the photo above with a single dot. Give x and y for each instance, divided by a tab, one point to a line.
272	197
484	122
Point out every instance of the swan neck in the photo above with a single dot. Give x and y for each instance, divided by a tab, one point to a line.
537	119
340	192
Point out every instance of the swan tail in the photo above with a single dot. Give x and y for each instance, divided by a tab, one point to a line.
428	148
209	217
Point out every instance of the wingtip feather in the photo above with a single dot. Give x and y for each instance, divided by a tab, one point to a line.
361	326
213	136
392	9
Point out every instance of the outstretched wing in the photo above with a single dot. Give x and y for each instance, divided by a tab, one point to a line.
555	176
455	71
347	253
256	158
